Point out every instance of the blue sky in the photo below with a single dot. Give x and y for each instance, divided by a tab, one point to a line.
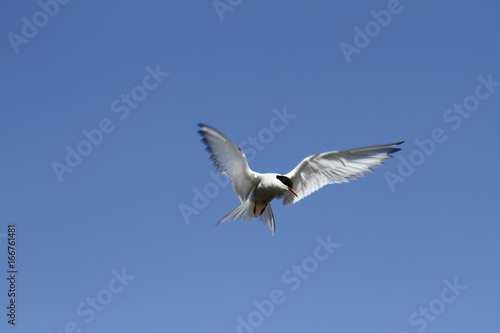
115	200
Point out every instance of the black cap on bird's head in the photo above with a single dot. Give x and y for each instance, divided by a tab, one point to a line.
287	182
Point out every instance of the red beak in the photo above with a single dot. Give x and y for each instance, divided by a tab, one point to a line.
293	191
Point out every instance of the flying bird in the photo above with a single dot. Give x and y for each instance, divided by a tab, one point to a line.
256	190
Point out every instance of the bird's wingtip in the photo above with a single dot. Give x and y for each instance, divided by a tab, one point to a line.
218	224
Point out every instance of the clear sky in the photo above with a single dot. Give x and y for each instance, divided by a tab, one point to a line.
114	199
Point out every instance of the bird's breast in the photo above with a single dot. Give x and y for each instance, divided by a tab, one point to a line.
265	193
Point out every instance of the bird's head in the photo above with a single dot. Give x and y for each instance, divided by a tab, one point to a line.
287	184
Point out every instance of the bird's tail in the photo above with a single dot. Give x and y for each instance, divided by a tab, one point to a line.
245	212
268	218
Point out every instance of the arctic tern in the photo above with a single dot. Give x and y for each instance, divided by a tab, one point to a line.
256	190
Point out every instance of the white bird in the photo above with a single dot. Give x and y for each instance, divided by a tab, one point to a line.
256	190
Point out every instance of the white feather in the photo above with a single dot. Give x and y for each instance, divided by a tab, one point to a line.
229	160
334	167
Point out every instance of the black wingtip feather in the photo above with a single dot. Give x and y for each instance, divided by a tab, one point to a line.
393	150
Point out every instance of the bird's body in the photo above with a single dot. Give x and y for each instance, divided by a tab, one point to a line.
257	190
268	188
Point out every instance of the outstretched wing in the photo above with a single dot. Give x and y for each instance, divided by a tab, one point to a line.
333	167
229	160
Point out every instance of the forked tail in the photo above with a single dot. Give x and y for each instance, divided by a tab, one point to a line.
246	212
